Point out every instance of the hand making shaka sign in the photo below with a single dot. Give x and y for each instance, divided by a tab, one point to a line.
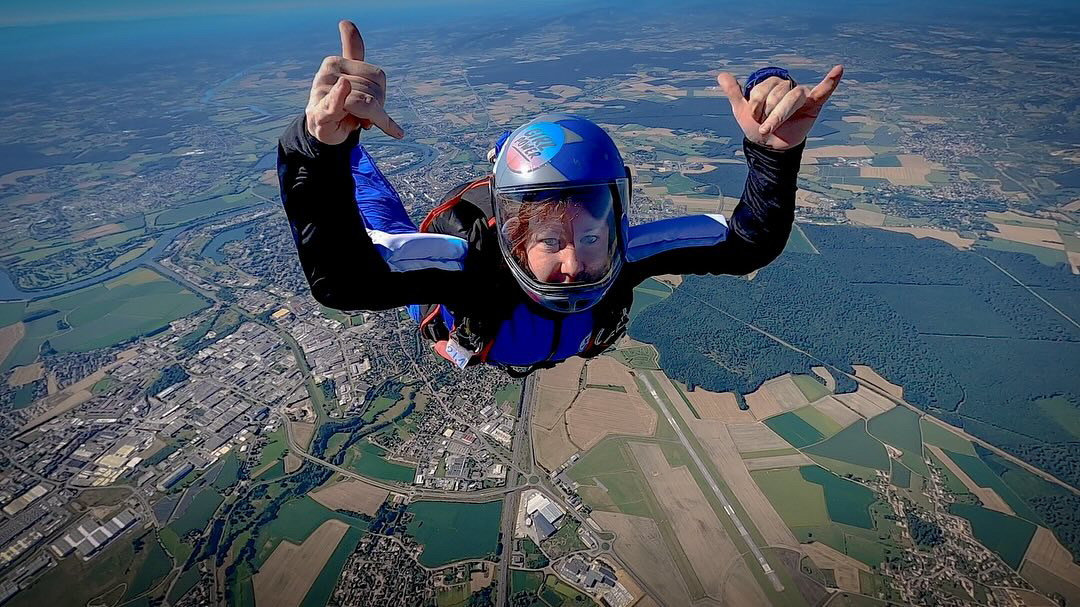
348	93
777	114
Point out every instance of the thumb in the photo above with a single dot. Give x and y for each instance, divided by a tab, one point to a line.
352	45
731	89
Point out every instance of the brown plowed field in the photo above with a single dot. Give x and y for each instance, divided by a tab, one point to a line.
866	373
786	393
836	410
9	337
302	432
755	437
26	374
778	461
287	575
823	373
763	404
716	405
553	447
864	402
557	388
1048	553
597	413
640	546
696	525
351	494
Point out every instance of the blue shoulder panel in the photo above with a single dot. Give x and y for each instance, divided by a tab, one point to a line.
379	203
394	235
655	237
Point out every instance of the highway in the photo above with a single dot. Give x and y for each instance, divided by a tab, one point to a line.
715	487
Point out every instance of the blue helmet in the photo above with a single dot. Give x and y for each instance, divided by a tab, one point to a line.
560	195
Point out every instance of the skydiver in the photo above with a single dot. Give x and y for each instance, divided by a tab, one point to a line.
536	262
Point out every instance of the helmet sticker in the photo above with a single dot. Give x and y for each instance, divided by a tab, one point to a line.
534	147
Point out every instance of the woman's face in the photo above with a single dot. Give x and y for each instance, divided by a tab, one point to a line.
572	248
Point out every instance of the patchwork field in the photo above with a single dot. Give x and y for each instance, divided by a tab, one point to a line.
556	389
133	304
599	412
837	411
720	406
899	427
855	446
987	496
845	569
352	495
755	437
640	545
778	461
285	577
1006	535
1047	552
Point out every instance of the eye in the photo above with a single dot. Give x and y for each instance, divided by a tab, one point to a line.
590	239
551	244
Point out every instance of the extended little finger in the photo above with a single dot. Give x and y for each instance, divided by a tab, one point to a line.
794	99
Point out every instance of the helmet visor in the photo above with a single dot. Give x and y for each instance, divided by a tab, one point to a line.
567	236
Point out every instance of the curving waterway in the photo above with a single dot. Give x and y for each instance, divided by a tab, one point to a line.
9	291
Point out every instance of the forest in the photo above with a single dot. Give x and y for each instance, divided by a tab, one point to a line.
964	339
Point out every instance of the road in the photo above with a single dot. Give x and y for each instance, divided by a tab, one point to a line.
715	487
522	456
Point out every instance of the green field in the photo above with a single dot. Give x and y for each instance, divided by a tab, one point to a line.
454	531
295	521
610	465
799	243
810	386
824	424
204	208
799	502
933	434
323	587
646	294
899	427
11	312
1008	536
1045	255
846	501
1061	411
557	593
229	473
953	484
370	460
198	513
525	581
187	581
640	357
154	568
75	582
853	445
794	429
900	476
130	305
983	476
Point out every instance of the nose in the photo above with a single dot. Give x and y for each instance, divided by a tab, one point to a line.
571	265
